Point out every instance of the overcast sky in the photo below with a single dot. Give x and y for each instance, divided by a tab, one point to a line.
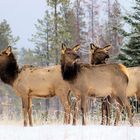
23	14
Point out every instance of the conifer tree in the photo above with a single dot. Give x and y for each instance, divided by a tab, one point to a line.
6	37
130	52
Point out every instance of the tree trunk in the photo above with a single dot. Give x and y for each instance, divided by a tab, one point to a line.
56	35
92	22
77	21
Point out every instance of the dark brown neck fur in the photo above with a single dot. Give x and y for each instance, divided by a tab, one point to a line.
9	70
70	72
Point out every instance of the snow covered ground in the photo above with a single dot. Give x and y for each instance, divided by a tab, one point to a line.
63	132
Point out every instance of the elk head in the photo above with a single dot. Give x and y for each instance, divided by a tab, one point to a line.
69	55
99	55
8	66
5	55
69	62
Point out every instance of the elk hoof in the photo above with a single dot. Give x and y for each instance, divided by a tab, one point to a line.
74	123
25	124
102	123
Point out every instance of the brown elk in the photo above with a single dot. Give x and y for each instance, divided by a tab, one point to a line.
98	81
133	88
99	56
30	82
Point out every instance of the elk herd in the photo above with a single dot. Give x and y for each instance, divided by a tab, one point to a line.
114	83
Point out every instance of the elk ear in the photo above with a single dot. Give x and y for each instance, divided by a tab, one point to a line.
107	48
76	48
63	48
8	50
93	47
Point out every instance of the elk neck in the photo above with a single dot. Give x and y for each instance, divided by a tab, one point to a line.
9	70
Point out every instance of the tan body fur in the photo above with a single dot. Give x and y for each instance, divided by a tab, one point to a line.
40	82
133	88
96	80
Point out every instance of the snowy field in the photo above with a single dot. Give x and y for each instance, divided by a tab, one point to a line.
63	132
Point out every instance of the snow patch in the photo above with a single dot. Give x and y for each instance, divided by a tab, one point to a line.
68	132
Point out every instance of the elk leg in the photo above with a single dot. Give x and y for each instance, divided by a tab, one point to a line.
118	113
75	112
128	107
126	104
84	108
66	104
119	106
129	111
30	111
25	109
108	115
67	114
68	108
103	112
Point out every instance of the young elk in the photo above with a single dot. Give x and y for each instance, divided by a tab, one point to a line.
84	79
32	82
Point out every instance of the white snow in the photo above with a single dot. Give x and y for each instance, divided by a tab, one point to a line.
69	132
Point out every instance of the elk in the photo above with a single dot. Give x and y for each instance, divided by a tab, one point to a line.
84	79
99	56
33	82
133	88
